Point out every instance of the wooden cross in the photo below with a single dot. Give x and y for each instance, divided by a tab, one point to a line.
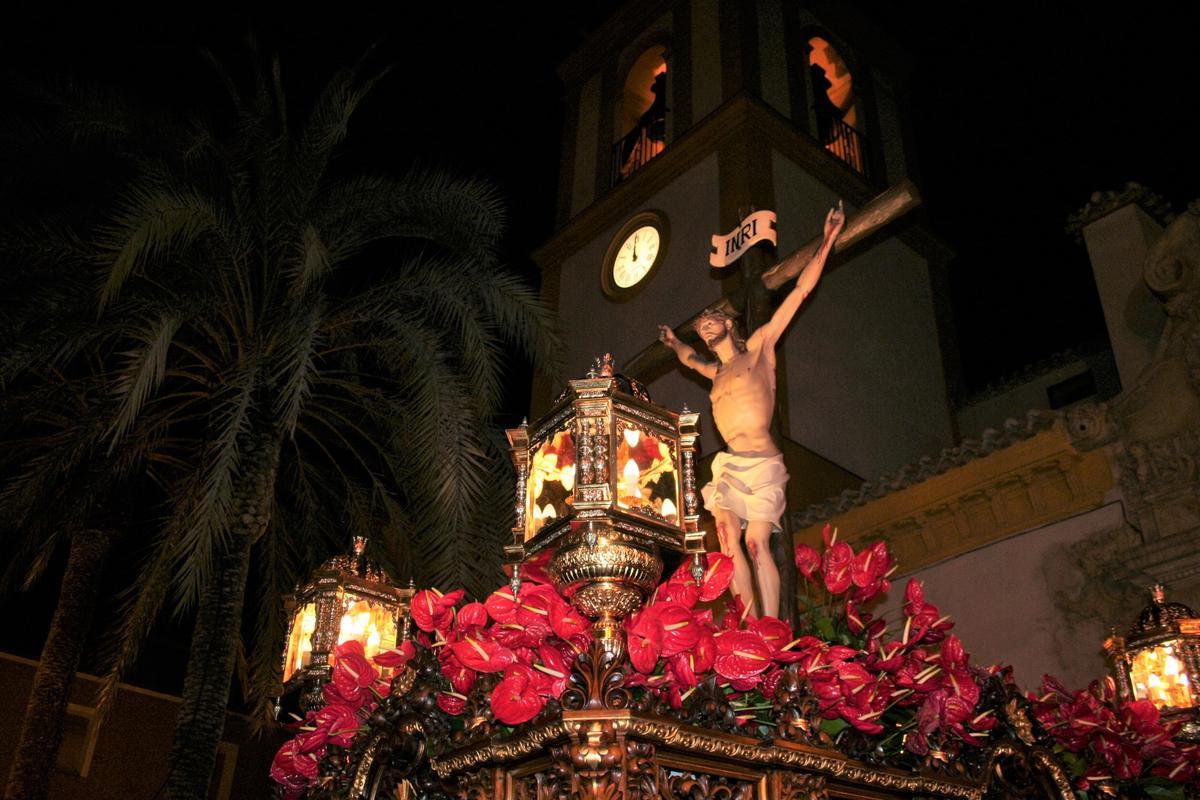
879	212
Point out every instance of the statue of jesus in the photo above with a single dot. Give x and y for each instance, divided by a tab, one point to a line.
749	478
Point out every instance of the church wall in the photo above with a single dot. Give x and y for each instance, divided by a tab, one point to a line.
1015	402
890	129
584	184
1118	244
1003	601
706	59
773	61
679	287
867	390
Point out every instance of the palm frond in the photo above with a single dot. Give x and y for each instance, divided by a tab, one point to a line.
157	222
142	373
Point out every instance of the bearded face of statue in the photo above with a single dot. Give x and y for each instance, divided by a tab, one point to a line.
714	330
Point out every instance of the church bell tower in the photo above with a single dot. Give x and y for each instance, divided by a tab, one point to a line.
683	117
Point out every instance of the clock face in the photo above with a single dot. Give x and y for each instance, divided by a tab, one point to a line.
636	256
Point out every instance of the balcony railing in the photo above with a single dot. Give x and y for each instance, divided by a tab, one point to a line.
634	149
847	144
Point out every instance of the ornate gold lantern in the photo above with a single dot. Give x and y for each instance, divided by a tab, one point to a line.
1159	661
604	480
347	597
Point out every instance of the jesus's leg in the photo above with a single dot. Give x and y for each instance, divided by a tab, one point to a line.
729	531
758	542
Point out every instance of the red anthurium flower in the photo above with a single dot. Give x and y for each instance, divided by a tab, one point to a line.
914	598
885	657
452	703
853	677
535	569
502	605
680	668
482	655
745	684
352	670
311	741
869	592
828	535
677	630
770	682
471	617
535	603
515	698
514	634
775	632
356	696
340	723
526	655
294	769
741	654
398	656
718	574
567	622
854	620
735	611
837	563
684	593
641	642
433	611
461	677
871	565
551	672
808	560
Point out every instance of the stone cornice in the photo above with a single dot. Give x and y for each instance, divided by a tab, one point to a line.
975	495
1101	204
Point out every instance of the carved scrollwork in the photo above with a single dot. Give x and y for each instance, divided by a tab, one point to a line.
597	680
676	785
550	784
596	759
477	785
641	773
802	786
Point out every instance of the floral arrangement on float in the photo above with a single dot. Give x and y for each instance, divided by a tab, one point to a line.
904	696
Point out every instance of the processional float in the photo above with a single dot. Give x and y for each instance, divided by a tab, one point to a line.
605	486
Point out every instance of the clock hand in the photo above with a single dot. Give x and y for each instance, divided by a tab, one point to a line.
635	241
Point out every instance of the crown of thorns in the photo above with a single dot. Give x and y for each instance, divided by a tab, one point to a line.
718	314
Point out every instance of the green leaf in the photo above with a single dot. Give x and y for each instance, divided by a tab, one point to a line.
1163	789
834	726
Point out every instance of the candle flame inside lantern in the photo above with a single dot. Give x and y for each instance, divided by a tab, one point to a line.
668	509
630	476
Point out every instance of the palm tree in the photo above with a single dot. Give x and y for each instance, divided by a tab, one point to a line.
285	339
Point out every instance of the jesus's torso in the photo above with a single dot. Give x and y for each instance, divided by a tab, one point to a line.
743	400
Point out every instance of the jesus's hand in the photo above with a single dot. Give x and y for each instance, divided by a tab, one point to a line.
835	220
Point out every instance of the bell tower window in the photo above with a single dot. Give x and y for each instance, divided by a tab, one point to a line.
643	114
835	105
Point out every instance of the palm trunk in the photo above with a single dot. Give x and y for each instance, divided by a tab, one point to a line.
41	731
213	653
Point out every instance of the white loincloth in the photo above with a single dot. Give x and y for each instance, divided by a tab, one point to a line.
750	486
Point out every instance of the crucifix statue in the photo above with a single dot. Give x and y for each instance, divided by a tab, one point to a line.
749	479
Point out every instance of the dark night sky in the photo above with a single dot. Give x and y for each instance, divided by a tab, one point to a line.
1017	120
1017	117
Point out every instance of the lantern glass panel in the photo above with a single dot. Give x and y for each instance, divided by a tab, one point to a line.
1158	675
551	482
299	652
648	473
370	622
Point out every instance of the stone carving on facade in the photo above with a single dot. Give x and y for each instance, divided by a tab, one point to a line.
1103	203
1151	432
